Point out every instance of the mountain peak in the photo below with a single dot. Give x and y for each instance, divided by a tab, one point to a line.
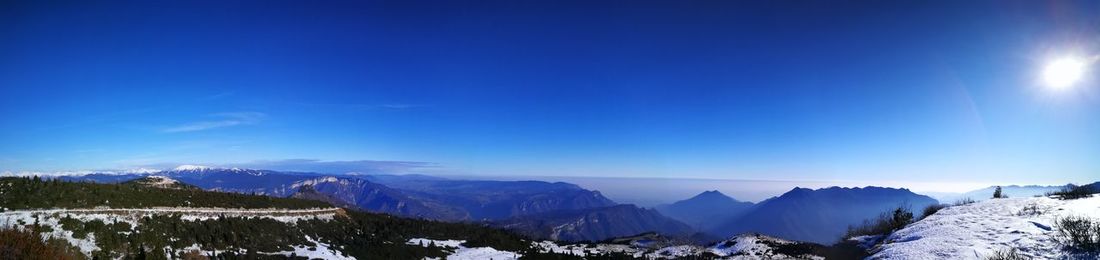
190	167
711	194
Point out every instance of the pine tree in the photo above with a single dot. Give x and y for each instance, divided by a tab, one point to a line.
997	193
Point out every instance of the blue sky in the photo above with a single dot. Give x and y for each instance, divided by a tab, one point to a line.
876	90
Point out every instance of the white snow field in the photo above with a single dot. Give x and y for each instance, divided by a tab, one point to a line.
87	245
460	252
975	231
746	246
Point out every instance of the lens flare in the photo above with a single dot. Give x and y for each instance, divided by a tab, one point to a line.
1063	73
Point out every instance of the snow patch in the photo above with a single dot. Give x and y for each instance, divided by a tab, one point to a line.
460	252
190	167
51	218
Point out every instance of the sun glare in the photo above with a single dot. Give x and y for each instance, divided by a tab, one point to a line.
1063	73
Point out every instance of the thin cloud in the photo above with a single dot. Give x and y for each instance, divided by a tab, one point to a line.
223	120
339	167
362	107
218	96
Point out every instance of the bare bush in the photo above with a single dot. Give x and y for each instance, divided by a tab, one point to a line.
1079	234
932	209
1030	210
1011	254
885	223
25	244
963	201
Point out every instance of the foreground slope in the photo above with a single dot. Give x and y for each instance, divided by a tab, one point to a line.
976	231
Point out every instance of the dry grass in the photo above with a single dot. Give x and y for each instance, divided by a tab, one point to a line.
19	244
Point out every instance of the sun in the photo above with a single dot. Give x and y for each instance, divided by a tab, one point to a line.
1063	73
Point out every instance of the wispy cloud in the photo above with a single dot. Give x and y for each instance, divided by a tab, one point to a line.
222	120
218	96
363	107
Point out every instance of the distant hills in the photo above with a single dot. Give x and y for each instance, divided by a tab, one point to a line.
1012	191
706	210
819	216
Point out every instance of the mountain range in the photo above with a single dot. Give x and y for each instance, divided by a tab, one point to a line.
555	210
426	197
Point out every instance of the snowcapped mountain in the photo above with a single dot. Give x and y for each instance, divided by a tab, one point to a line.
705	210
819	216
163	182
188	167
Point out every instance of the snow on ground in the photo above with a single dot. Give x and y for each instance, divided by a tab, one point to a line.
460	252
753	246
109	215
747	246
318	250
87	245
974	231
162	180
585	250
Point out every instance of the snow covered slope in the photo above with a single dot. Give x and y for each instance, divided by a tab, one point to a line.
460	252
977	230
131	218
746	246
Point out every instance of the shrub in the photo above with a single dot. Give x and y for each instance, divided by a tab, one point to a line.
932	209
1079	234
885	223
24	244
997	193
1011	254
1030	210
1071	192
963	201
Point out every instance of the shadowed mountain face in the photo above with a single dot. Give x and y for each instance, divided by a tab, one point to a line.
595	224
365	195
493	200
706	210
820	216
